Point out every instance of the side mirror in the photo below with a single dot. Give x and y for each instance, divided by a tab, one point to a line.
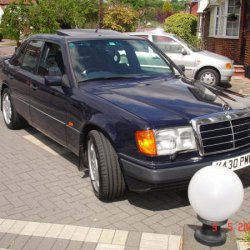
182	67
183	52
53	81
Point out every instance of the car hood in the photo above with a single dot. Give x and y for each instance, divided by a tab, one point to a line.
210	55
166	102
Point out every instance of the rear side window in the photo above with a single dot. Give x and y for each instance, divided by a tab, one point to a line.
142	36
17	58
31	56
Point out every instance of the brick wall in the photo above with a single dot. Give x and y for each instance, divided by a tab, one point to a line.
194	8
247	48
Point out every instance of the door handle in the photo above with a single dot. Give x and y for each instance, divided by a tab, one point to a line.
33	86
11	76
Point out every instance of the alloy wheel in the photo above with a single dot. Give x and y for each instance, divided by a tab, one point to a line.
208	77
7	108
93	165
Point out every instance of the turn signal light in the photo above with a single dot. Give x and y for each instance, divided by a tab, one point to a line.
145	140
228	65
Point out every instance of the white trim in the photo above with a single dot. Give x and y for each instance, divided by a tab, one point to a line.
225	37
214	17
202	5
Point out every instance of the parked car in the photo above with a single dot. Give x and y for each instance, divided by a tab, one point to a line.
199	64
117	103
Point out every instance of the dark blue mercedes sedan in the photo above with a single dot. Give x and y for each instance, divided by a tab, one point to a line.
124	108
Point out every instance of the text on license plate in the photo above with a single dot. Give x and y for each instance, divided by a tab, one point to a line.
234	163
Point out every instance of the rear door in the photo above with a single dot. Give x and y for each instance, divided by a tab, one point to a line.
22	68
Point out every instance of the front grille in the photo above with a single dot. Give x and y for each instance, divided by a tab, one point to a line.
223	132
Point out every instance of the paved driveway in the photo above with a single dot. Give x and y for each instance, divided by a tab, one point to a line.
39	181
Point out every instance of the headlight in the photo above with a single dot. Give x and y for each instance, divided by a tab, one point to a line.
165	141
170	141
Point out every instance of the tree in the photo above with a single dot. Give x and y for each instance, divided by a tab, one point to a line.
16	20
183	25
46	16
167	7
147	9
136	4
165	12
179	5
120	17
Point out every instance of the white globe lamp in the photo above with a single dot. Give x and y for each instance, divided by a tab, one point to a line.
215	193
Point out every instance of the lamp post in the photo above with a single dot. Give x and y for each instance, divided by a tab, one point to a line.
215	193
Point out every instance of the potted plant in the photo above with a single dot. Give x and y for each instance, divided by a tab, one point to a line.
232	17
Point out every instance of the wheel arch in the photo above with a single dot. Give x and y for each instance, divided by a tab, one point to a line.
83	141
207	67
92	126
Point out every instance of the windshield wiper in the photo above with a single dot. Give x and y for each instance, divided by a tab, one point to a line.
107	78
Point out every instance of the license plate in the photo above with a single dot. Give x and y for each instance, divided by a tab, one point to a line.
234	163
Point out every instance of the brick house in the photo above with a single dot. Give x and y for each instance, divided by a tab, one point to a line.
193	7
224	26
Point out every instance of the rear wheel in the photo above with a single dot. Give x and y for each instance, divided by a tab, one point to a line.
11	118
104	168
209	76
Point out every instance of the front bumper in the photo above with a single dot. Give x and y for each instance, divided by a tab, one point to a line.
144	177
226	74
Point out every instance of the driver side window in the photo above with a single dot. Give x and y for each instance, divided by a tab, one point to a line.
51	62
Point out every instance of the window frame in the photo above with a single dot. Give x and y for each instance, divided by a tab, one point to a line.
214	16
45	42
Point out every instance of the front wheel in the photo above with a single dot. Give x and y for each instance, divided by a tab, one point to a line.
11	118
104	168
209	76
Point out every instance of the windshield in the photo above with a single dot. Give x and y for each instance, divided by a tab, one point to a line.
194	49
111	59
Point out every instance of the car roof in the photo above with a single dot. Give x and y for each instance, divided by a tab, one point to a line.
77	34
150	32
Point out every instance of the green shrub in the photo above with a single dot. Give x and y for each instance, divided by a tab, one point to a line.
183	25
246	237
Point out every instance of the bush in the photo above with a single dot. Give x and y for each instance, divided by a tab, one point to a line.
120	17
1	36
183	25
246	238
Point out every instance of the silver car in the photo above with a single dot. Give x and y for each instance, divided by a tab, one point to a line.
199	64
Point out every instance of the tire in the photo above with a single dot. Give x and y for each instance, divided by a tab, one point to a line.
209	76
11	118
104	168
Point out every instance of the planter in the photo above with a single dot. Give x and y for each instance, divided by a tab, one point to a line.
232	18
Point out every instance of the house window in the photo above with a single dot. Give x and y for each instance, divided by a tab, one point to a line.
225	19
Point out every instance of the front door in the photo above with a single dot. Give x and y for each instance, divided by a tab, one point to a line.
48	104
